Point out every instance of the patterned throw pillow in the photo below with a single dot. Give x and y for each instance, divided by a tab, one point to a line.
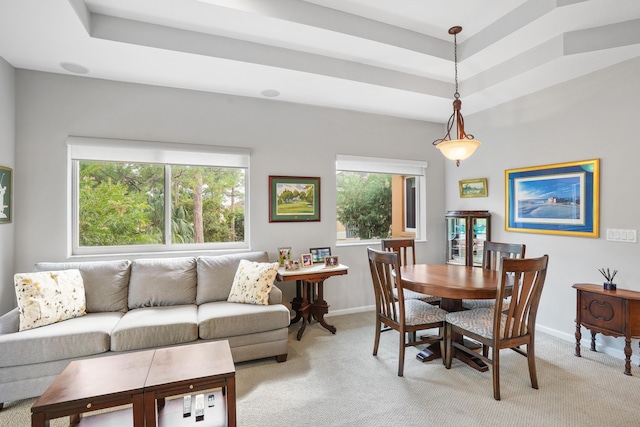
253	282
48	297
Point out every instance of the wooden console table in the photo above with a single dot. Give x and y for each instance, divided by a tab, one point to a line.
614	313
309	301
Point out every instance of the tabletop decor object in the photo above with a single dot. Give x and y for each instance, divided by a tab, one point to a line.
608	285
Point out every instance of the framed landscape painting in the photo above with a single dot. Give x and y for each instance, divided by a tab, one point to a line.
562	198
473	187
6	194
294	198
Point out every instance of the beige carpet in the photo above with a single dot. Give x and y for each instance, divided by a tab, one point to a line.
333	380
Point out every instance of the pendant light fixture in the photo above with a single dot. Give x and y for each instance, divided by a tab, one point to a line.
464	145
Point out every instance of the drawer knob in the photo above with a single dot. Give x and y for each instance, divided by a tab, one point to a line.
88	405
191	387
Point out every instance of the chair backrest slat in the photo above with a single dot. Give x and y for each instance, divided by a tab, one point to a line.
385	274
527	276
405	248
493	252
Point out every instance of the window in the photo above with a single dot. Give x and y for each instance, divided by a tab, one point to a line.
133	196
379	198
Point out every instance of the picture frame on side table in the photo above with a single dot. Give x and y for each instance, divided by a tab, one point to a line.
318	254
294	199
473	187
562	198
6	194
307	260
284	254
331	261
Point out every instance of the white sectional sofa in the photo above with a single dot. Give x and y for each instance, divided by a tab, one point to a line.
138	304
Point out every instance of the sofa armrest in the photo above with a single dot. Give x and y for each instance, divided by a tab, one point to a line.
275	296
10	322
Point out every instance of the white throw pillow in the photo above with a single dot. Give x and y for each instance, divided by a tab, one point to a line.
253	282
48	297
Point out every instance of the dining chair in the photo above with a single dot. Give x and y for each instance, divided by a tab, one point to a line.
406	250
407	316
500	328
492	253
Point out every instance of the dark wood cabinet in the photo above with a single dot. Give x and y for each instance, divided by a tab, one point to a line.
613	313
466	233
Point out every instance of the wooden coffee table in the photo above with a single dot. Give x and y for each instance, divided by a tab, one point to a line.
93	384
190	369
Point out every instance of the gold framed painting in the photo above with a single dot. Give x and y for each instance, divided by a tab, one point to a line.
473	187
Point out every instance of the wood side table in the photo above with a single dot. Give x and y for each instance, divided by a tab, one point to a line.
614	313
92	384
309	301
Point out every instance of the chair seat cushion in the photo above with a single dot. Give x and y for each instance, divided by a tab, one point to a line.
470	304
408	294
77	337
420	313
479	321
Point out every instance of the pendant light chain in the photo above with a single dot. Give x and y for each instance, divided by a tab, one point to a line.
456	95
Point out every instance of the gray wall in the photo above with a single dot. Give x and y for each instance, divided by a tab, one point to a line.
591	117
285	139
7	159
595	116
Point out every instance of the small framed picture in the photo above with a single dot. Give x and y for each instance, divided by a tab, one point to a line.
6	194
307	260
473	187
292	264
331	261
284	254
318	254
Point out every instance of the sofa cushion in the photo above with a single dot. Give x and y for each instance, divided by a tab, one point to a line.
226	319
162	282
78	337
155	327
106	283
216	273
48	297
253	282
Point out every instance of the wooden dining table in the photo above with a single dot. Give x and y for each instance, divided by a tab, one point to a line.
452	283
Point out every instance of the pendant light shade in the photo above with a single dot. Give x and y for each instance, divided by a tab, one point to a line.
464	145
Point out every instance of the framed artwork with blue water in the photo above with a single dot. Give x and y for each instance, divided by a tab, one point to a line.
562	198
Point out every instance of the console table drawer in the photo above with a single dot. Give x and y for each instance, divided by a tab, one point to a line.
602	311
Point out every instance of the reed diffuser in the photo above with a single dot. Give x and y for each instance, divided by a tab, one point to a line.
608	285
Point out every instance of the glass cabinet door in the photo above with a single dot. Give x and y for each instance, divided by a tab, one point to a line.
456	241
466	233
479	237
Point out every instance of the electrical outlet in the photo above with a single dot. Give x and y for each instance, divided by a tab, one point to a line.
619	235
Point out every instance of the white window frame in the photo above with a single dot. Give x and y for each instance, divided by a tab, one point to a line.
133	151
395	167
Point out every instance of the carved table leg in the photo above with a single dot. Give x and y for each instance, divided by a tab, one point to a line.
578	339
320	308
627	355
305	310
593	341
297	303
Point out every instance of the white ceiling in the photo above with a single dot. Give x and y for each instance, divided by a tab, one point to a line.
391	57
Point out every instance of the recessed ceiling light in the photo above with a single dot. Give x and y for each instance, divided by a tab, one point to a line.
74	68
270	93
